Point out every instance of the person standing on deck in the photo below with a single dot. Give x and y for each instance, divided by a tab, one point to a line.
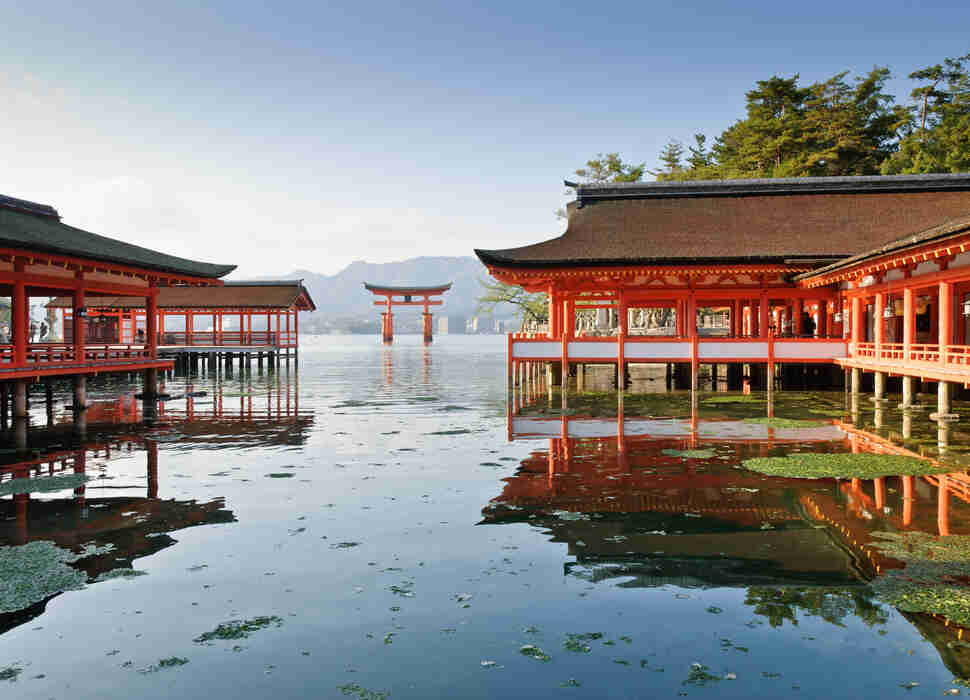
43	329
33	330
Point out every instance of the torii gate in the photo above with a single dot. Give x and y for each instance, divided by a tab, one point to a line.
406	296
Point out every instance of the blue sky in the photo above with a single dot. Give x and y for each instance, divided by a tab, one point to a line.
308	135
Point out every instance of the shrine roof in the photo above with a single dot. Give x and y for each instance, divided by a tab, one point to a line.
37	227
439	288
952	227
788	220
282	294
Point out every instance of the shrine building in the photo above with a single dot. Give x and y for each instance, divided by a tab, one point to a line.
868	273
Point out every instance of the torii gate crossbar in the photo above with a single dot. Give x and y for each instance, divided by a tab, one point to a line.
406	296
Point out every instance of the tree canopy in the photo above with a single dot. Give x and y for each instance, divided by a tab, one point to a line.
838	126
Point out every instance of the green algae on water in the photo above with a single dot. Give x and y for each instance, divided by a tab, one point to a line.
936	576
120	573
578	642
43	484
534	652
811	465
362	692
786	422
38	570
239	629
690	454
170	662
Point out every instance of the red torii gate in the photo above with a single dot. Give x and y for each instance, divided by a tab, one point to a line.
407	297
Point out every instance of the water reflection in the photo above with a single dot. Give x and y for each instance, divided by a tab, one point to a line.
123	528
648	503
80	506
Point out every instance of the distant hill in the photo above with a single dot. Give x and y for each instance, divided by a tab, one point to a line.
342	297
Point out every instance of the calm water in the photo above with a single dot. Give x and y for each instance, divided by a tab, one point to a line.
363	526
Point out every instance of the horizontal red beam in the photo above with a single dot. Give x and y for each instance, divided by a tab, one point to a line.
409	303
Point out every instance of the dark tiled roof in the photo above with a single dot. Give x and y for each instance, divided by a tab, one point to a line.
950	228
37	227
268	295
407	290
812	220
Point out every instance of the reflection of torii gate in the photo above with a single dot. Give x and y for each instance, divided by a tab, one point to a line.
405	296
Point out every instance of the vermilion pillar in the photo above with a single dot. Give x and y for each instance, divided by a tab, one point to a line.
151	324
856	322
754	315
946	318
796	317
426	317
909	323
879	323
79	325
18	318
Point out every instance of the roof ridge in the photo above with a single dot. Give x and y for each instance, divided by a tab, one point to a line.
8	202
788	185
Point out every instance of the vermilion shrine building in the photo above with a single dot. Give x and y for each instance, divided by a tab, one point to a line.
40	256
242	318
867	273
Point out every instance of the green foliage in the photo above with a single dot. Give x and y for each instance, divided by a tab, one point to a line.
531	308
609	167
838	126
810	465
43	484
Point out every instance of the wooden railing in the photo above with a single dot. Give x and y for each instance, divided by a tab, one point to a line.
54	354
282	339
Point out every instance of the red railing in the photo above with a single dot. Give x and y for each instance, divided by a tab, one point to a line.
281	339
55	354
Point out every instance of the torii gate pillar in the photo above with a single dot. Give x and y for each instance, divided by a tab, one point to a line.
387	327
427	327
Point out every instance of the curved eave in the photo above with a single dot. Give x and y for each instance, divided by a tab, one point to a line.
497	259
381	288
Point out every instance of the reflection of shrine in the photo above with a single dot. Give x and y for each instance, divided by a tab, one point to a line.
635	508
627	508
135	526
218	416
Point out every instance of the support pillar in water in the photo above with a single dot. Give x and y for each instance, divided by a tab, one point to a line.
879	392
387	327
20	399
907	392
856	380
150	384
943	402
426	317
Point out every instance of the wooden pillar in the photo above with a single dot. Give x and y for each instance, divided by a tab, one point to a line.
946	319
879	323
18	329
763	325
907	391
569	321
151	324
855	323
796	316
426	317
909	324
754	316
79	324
734	318
823	318
20	399
622	317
